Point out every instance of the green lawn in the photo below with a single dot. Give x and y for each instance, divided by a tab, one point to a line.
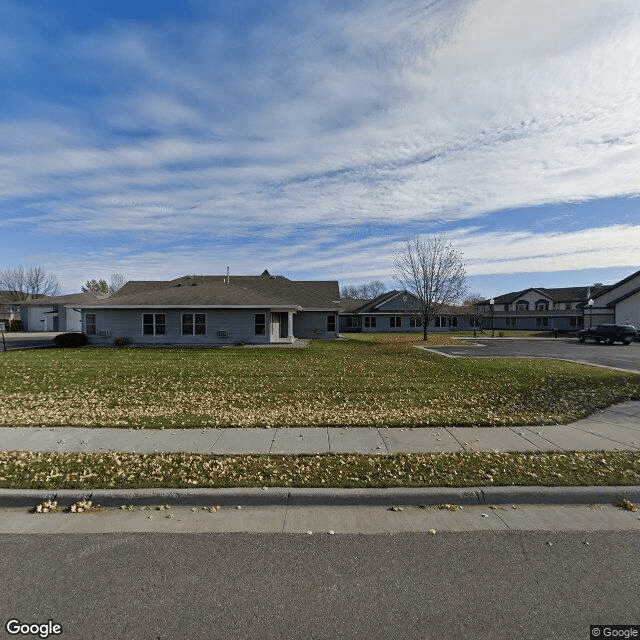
379	380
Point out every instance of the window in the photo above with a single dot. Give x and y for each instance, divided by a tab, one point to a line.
522	305
510	322
395	322
153	324
352	322
370	322
453	322
194	324
542	305
415	321
90	324
260	324
440	322
575	322
331	324
542	322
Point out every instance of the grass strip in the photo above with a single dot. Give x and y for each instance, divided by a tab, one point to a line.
25	470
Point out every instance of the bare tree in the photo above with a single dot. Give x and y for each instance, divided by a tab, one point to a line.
366	291
472	304
25	283
433	270
102	287
118	280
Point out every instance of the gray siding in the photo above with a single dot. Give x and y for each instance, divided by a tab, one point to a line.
535	323
313	324
383	324
127	323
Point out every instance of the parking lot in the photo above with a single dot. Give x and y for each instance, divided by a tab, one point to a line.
616	356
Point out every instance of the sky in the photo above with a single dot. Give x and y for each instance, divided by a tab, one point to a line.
311	138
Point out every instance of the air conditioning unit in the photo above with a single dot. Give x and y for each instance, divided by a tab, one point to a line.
223	333
104	333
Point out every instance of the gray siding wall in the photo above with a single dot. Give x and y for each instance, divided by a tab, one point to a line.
313	324
628	311
383	324
127	323
530	323
410	305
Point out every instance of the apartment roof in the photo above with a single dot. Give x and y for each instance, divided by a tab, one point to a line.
561	294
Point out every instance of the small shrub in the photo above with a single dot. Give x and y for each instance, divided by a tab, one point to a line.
500	334
15	325
70	340
121	342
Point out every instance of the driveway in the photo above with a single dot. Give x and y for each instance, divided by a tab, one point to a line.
615	356
27	340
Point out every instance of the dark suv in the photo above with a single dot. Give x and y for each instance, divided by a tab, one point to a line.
609	333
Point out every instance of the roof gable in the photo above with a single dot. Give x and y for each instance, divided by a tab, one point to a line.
618	291
390	301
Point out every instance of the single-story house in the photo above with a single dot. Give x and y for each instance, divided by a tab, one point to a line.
205	310
399	311
618	303
538	309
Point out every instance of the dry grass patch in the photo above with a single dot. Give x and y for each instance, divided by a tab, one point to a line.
370	381
174	470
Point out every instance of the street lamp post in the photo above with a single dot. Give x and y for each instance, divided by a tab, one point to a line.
492	303
590	303
475	321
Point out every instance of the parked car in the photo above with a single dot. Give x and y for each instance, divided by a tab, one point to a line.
609	333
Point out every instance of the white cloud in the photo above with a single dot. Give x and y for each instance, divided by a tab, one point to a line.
383	114
522	252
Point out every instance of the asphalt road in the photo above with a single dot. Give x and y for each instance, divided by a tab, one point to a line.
25	340
618	356
216	586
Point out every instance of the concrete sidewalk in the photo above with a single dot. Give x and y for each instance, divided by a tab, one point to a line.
614	429
355	511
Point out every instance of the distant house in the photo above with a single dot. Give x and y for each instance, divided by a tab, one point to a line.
398	311
208	310
9	310
54	313
618	303
538	308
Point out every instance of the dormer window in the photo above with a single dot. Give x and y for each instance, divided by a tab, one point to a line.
542	305
522	305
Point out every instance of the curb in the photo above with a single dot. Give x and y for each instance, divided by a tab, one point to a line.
294	497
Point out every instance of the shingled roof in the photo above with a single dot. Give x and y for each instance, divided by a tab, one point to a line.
218	291
562	294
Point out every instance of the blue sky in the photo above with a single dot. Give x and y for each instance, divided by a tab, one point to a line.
157	139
